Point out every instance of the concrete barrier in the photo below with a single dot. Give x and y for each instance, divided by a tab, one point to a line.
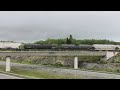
8	63
76	63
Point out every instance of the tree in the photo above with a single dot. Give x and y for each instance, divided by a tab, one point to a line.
70	39
67	41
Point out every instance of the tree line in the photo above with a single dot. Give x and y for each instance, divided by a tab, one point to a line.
71	40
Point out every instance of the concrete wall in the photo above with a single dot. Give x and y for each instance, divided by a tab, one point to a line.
110	54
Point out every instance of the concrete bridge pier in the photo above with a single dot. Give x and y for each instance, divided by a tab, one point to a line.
75	62
110	54
8	63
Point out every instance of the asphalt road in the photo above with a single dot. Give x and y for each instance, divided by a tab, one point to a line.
4	76
88	74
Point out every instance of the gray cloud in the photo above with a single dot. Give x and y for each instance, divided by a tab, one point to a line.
29	26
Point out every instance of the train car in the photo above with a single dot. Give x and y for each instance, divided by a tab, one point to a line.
9	45
105	47
86	47
67	47
38	46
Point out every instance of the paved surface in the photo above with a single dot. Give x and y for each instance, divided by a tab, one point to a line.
4	76
88	74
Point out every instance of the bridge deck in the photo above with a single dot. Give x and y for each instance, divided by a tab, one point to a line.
53	53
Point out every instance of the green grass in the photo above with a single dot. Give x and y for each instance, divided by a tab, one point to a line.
39	74
2	68
103	70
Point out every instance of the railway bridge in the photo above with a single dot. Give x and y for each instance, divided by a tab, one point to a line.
53	53
106	54
9	54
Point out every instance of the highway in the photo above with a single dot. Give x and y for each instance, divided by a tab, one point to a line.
4	76
87	73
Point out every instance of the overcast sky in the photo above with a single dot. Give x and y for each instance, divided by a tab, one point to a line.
30	26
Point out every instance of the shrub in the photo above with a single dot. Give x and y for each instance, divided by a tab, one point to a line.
58	64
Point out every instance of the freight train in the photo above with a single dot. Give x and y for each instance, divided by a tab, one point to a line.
54	47
64	47
15	46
